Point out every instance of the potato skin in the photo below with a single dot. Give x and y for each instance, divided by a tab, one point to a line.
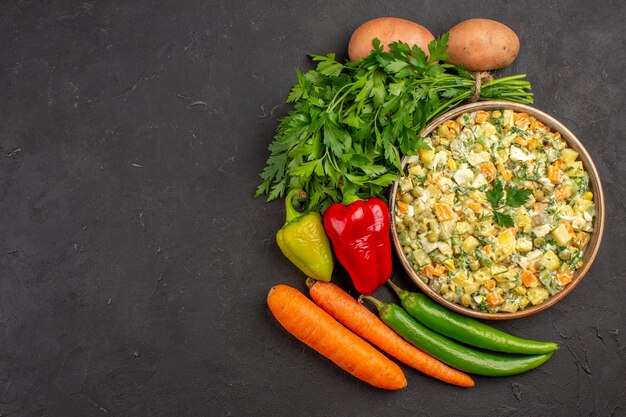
482	45
387	30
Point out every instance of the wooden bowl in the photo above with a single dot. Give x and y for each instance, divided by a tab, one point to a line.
592	247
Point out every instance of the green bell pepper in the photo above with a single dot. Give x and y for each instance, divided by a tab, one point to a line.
304	242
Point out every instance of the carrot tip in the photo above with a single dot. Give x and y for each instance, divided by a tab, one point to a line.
310	282
271	292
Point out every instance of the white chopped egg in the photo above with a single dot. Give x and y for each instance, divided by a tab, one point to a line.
541	231
518	155
578	223
479	181
445	249
428	246
445	183
476	159
523	262
463	176
440	160
534	255
546	183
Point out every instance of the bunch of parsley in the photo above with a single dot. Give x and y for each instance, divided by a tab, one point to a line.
351	122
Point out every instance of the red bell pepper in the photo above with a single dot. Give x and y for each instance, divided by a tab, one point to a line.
359	233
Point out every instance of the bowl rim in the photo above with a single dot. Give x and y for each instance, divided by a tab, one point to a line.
596	185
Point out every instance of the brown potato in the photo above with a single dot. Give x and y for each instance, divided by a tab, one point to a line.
482	45
387	30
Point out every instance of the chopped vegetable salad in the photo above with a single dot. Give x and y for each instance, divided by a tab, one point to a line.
497	214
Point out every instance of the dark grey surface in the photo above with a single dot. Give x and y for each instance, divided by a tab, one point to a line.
134	263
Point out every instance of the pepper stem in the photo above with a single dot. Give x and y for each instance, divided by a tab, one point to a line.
402	294
377	303
350	198
292	213
310	282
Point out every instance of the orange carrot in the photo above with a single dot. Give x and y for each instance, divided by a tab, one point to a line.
403	207
431	271
481	117
475	207
581	239
562	192
490	284
506	174
494	299
520	141
537	125
564	279
443	212
529	279
488	169
318	330
533	144
555	171
366	324
453	126
521	120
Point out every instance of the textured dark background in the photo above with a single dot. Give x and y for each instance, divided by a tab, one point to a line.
134	263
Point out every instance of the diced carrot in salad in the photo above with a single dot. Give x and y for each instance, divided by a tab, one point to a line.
521	120
533	144
488	170
481	117
431	271
564	279
475	207
453	126
555	171
562	192
529	279
506	174
490	284
444	212
537	125
494	299
403	207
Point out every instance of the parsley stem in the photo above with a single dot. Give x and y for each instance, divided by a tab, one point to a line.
333	102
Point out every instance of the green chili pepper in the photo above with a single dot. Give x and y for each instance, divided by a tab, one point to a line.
465	329
304	242
450	352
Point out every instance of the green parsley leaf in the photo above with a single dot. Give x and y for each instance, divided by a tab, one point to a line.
334	137
327	65
504	219
396	66
385	180
517	197
437	49
496	193
418	58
